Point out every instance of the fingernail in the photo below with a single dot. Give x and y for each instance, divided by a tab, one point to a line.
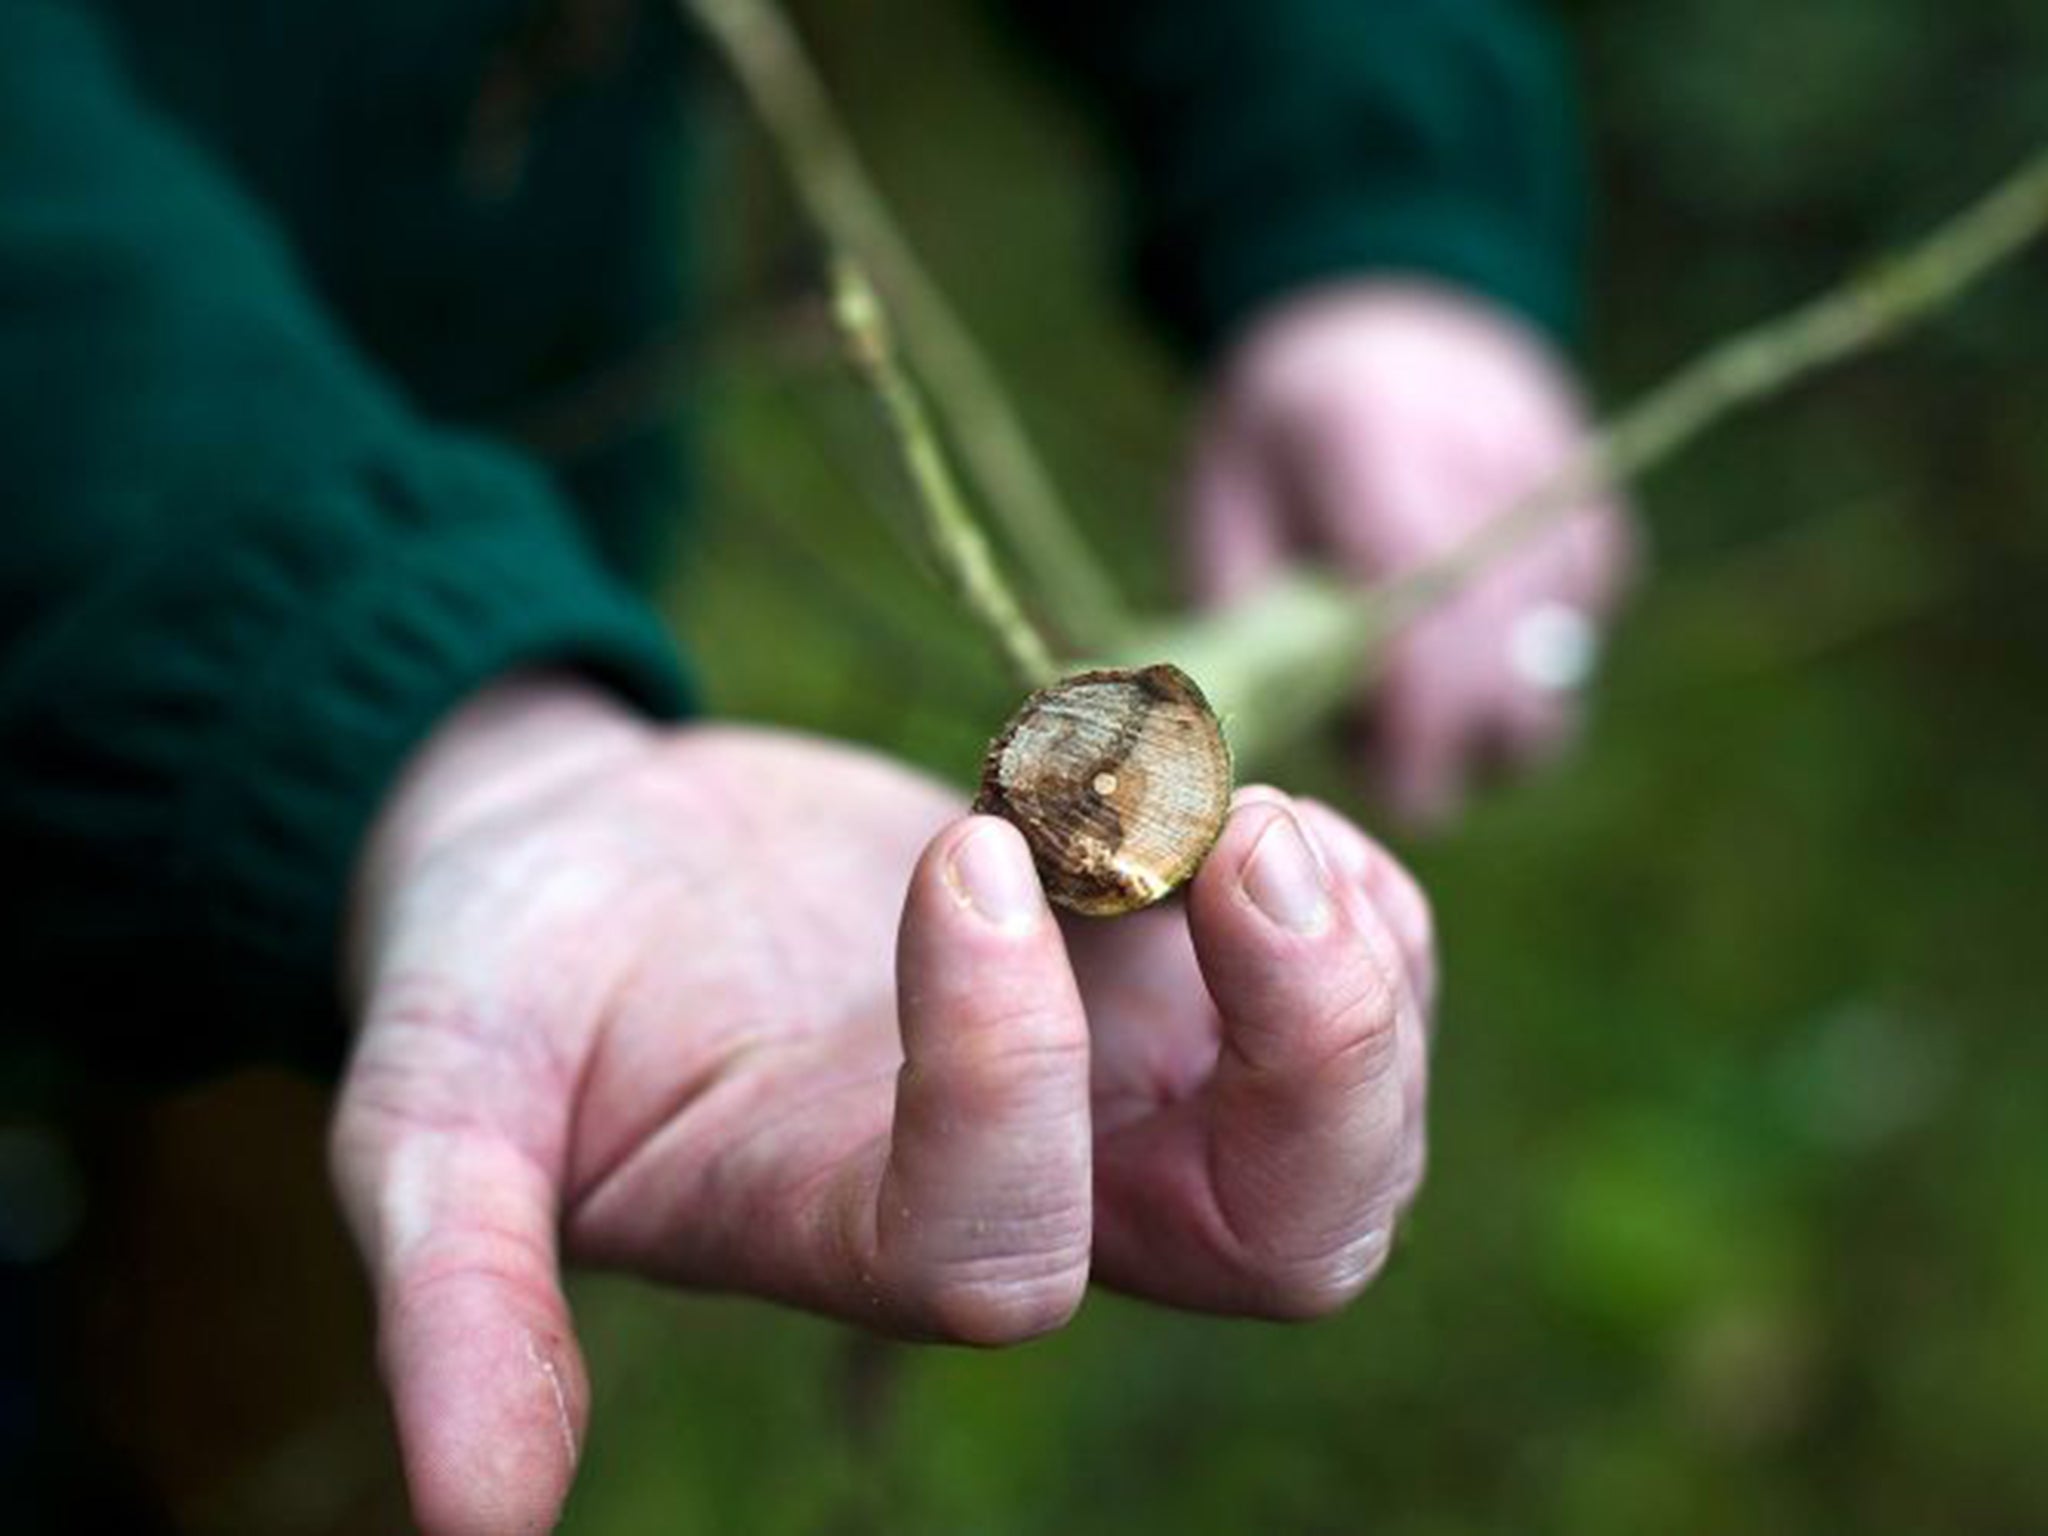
993	876
1262	794
1284	881
1257	794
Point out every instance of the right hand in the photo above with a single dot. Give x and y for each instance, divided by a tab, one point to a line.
634	988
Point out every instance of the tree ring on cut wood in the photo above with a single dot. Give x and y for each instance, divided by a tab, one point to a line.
1119	781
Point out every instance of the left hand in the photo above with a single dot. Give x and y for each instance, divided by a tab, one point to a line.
1373	425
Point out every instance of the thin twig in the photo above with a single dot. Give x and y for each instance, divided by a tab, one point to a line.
842	200
1284	661
1870	308
955	539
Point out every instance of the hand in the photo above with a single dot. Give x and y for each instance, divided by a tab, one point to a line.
632	990
1375	425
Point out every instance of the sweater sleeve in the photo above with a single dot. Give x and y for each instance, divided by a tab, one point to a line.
1270	144
240	584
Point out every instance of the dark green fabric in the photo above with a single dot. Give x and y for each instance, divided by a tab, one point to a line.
1271	144
274	277
244	573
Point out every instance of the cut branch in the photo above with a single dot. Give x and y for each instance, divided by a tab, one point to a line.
841	199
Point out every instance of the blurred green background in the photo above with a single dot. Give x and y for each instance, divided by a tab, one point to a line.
1738	1216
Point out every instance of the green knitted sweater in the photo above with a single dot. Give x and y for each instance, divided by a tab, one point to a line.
273	277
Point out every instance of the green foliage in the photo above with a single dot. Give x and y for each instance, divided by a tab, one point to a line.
1736	1220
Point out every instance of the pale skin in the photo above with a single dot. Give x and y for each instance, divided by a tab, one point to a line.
741	1010
1371	425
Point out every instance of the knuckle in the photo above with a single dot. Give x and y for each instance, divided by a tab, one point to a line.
989	1280
1010	1066
1349	1038
1320	1287
992	1311
512	1265
1357	1041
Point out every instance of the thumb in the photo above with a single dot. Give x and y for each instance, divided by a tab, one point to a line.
980	1222
452	1196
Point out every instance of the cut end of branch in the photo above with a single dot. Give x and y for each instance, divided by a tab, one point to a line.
1119	781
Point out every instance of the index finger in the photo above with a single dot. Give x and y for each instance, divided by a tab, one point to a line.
1274	1190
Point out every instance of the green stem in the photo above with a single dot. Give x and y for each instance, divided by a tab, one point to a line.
953	536
841	199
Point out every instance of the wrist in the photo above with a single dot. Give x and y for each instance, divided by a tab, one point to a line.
508	744
1402	310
